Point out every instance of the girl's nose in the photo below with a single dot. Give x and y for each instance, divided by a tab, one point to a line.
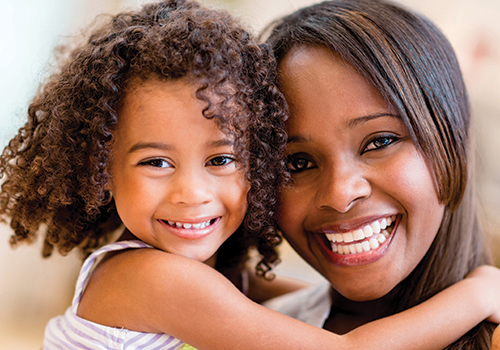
191	188
341	187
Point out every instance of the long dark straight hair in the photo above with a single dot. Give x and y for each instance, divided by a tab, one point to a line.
415	69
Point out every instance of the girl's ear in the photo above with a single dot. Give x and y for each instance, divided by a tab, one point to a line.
108	196
108	188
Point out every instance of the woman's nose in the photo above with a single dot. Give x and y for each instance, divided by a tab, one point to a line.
191	188
342	186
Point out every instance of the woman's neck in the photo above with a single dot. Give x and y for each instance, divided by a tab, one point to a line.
345	314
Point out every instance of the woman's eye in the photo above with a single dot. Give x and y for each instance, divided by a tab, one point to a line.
156	163
220	161
297	163
380	142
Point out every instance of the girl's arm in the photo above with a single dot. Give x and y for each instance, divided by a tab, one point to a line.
152	291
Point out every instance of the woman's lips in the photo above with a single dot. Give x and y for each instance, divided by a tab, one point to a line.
361	246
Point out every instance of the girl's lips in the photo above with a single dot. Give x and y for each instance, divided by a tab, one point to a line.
194	229
361	246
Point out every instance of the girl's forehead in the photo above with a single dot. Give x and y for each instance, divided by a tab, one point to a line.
163	99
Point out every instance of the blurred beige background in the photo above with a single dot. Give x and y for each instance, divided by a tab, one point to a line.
33	290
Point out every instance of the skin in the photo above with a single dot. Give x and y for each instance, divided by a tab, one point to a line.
170	163
176	166
352	163
495	341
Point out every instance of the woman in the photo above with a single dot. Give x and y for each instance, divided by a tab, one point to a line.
381	201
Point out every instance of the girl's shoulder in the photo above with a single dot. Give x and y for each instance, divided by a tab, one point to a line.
128	285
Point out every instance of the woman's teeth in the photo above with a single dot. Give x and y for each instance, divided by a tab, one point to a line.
197	226
362	240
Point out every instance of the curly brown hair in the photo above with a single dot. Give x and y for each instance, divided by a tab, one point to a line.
56	168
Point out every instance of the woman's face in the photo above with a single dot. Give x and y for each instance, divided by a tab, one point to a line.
362	208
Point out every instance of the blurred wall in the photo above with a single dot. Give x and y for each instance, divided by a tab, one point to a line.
33	290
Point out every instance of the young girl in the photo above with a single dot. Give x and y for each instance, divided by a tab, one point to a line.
168	121
382	199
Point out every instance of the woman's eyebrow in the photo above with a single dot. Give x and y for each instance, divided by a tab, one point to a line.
297	139
351	123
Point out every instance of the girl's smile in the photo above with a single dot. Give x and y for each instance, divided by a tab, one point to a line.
192	229
176	180
362	207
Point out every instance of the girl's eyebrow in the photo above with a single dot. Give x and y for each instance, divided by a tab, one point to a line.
351	123
156	145
168	147
221	143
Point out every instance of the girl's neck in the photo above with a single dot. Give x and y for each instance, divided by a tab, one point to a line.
345	314
129	236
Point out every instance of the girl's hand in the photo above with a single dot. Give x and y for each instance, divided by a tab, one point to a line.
495	341
488	277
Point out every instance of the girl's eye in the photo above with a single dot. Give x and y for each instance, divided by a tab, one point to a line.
220	161
296	163
156	163
380	142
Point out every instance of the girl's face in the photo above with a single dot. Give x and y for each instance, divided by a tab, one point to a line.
363	208
175	178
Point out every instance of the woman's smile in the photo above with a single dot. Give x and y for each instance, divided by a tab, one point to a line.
362	245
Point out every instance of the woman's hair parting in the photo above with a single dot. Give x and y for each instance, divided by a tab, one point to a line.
55	170
415	69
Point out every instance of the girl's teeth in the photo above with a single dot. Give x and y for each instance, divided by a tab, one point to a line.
376	230
197	226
